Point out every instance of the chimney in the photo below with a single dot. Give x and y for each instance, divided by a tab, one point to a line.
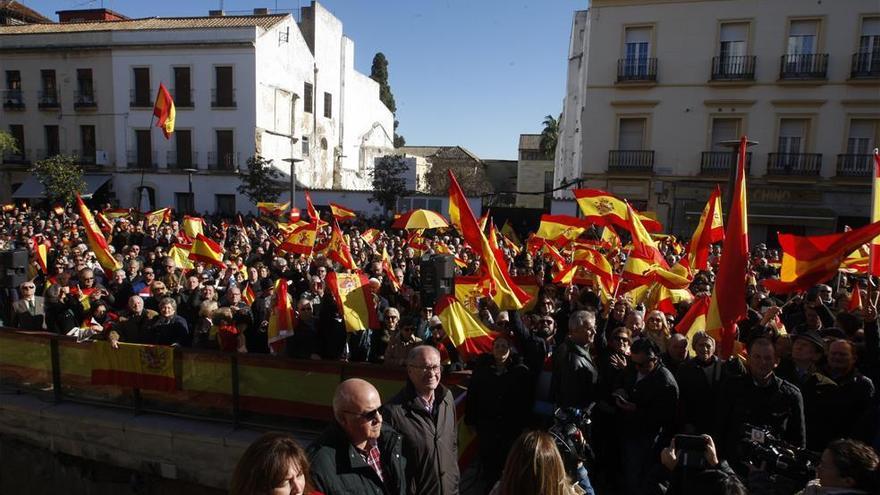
261	11
216	13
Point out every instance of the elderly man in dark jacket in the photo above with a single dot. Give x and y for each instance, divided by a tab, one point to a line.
424	413
574	374
358	453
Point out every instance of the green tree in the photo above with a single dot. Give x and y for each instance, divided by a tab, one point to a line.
379	73
388	183
550	135
7	143
62	177
262	182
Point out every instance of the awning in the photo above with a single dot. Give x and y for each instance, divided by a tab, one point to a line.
33	189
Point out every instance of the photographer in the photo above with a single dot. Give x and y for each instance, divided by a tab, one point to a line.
693	466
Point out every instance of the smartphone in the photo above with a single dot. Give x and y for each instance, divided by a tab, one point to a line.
691	451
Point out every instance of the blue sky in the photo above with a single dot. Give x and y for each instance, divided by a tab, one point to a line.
475	73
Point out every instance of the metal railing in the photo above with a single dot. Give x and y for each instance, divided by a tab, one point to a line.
223	99
630	160
854	164
138	160
720	162
637	70
84	158
804	66
183	99
140	99
176	160
48	98
21	157
807	164
733	68
223	161
865	65
13	99
84	99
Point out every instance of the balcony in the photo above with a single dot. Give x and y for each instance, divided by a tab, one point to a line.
803	66
86	158
733	68
18	158
183	99
799	164
223	98
48	99
223	161
865	66
180	161
631	160
84	100
636	70
141	161
42	154
854	165
13	99
140	98
720	162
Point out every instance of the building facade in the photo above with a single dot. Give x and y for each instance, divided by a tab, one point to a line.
657	90
261	84
535	173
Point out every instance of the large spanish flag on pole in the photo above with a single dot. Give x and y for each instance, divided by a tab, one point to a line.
354	298
875	214
728	304
207	251
147	367
468	334
164	111
96	240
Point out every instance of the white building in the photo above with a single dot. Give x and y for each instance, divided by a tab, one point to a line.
654	87
243	85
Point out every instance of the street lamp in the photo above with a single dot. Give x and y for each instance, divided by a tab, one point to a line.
292	161
192	199
733	144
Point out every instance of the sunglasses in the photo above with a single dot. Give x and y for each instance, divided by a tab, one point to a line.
372	415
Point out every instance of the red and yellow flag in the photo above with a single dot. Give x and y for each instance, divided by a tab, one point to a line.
875	215
604	208
193	226
301	240
388	270
341	213
117	213
694	320
468	334
146	367
727	306
273	210
509	232
248	294
370	235
553	227
469	289
710	229
155	218
354	298
41	254
164	111
207	251
855	299
337	249
179	255
97	242
282	321
599	265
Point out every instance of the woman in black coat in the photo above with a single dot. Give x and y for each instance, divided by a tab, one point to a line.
63	312
169	328
496	406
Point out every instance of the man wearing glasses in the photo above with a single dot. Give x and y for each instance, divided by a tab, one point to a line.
358	453
424	413
28	312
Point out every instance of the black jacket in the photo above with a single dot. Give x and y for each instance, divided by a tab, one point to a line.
338	469
820	409
430	441
574	376
656	399
699	384
171	332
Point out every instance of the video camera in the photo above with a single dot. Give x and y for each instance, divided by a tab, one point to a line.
571	430
781	459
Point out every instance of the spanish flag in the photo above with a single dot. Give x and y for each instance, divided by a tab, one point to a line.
603	208
179	255
97	242
553	227
509	232
370	235
146	367
272	209
164	111
529	284
155	218
282	321
694	320
388	270
312	211
354	298
598	264
875	215
710	229
117	213
248	294
301	240
337	249
207	251
468	334
855	299
341	213
469	289
807	261
104	223
193	226
41	253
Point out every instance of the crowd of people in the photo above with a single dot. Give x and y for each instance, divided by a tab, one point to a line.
804	375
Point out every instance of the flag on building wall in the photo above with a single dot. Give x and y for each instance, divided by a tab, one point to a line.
164	111
354	298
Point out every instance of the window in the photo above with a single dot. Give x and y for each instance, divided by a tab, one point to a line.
802	37
85	89
225	150
733	48
792	136
182	87
637	50
225	204
87	144
328	105
53	144
548	187
305	146
224	94
13	80
49	91
13	97
141	92
185	202
17	133
868	58
183	154
862	134
724	130
632	134
143	157
308	95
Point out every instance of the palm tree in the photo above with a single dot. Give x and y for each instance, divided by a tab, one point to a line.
550	135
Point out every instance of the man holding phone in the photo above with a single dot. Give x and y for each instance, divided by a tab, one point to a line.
693	466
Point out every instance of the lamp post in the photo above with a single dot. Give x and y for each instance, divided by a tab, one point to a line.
293	161
192	199
733	144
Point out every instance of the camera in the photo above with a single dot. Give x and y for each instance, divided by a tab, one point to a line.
782	460
691	451
571	430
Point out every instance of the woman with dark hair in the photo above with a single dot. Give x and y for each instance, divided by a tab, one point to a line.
534	466
848	467
273	465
